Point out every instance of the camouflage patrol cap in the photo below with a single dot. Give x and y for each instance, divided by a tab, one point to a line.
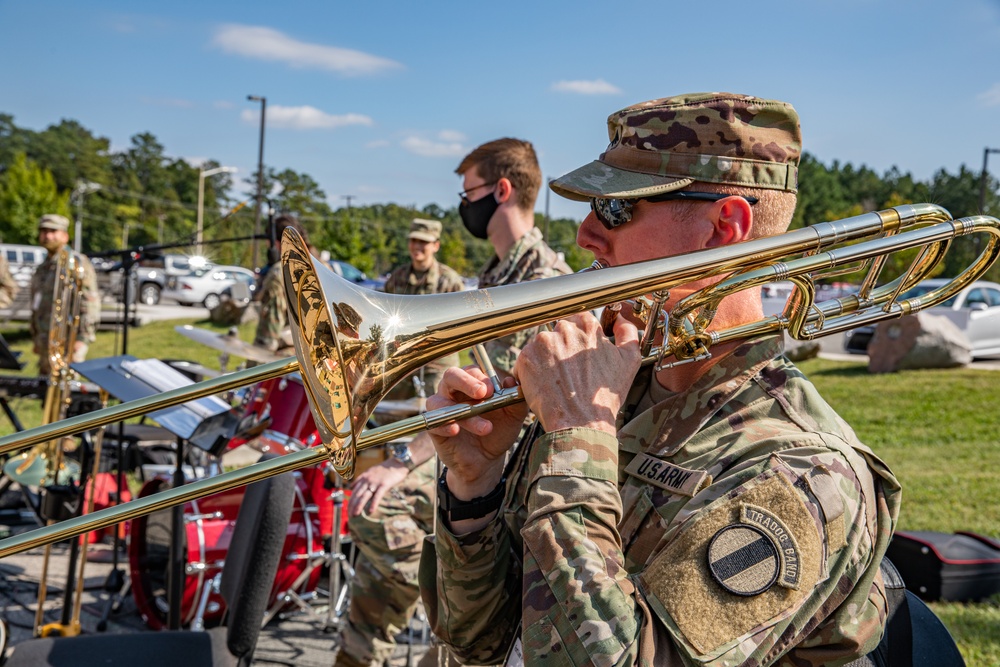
53	221
425	230
666	144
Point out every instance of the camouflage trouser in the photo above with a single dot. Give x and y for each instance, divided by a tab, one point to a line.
384	590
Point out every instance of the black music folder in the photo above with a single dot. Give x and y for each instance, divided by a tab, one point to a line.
208	423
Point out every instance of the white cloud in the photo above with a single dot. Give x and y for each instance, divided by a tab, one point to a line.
267	44
991	97
304	118
595	87
378	143
451	135
444	147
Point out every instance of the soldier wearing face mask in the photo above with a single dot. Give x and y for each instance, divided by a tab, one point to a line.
500	182
53	235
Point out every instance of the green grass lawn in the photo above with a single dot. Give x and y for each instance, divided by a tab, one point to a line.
938	430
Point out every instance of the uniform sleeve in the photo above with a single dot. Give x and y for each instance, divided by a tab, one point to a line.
580	606
35	296
90	306
273	318
471	590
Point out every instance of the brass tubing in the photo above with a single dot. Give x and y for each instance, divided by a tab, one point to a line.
593	294
142	406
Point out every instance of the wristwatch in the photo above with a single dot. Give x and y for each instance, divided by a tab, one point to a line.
457	510
400	451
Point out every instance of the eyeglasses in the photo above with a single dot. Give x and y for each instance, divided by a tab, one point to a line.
463	195
616	212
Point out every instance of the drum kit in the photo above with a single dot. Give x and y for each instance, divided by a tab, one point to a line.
276	420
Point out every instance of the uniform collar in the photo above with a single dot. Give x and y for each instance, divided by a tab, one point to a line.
675	420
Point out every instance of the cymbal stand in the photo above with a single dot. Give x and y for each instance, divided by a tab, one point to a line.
339	597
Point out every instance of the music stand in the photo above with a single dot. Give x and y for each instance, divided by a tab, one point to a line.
209	423
9	361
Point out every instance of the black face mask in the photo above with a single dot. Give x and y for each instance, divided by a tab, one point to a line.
476	215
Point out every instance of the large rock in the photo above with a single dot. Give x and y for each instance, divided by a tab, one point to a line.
917	341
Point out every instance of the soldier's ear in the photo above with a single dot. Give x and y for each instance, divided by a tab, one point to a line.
732	221
504	190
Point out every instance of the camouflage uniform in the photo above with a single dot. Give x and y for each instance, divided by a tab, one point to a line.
650	518
42	292
384	589
530	259
272	327
8	287
739	522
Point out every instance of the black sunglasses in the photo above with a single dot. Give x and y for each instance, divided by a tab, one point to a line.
463	195
616	212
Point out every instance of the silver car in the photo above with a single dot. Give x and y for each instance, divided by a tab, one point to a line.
975	310
205	286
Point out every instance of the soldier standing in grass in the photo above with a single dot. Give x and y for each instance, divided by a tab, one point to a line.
53	235
716	512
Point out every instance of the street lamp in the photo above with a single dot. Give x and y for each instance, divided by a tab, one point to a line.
82	189
260	180
201	198
982	179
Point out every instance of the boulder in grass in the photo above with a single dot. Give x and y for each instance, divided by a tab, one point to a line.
917	341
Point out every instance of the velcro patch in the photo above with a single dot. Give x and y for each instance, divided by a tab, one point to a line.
743	560
781	538
673	478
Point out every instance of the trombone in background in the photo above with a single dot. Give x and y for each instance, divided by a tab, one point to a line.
352	344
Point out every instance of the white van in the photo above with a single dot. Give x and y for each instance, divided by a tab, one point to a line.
22	260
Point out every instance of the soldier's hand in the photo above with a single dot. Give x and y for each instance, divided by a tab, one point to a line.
371	486
473	449
574	376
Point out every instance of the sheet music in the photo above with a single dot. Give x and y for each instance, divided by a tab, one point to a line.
162	377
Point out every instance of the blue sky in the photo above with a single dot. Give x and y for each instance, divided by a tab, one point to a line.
379	101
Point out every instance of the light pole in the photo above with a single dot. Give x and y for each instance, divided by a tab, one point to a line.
82	189
982	179
201	198
260	180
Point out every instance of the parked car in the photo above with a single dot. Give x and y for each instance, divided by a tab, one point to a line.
149	276
204	286
355	275
975	310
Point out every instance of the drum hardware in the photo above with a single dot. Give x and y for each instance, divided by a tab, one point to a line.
353	344
228	343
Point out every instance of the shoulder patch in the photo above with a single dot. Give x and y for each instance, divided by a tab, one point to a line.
743	559
682	583
673	478
782	539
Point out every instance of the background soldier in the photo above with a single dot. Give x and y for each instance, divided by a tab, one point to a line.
272	327
53	235
500	182
391	507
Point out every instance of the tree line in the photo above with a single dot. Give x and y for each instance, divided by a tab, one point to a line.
139	196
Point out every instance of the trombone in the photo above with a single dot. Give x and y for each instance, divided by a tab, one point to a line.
352	344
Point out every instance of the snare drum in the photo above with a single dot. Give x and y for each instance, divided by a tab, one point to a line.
208	528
